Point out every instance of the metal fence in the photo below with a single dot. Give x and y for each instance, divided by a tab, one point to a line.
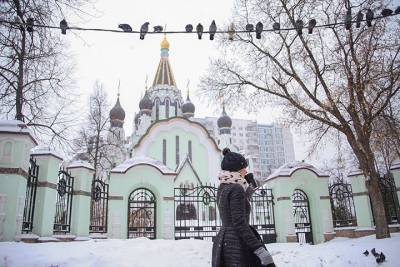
30	196
62	219
342	204
98	207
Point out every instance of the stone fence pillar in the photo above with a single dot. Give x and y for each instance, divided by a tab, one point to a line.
362	203
16	141
46	193
80	219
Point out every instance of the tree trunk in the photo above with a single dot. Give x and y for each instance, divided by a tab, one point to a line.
20	86
378	208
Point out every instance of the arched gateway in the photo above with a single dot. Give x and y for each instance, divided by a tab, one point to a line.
142	214
302	217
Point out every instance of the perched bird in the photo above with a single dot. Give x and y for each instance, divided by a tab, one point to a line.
63	26
387	12
366	252
231	31
383	257
347	21
259	29
158	28
143	30
125	27
29	24
360	17
199	29
374	253
249	27
311	25
276	27
380	258
212	29
369	17
299	27
397	10
189	28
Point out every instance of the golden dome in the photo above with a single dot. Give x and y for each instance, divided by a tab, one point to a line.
165	43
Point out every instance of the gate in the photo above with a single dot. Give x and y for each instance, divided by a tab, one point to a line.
98	207
196	212
197	216
302	218
30	196
262	214
390	200
62	220
142	214
342	204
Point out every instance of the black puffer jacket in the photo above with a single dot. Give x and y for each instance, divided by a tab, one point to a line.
236	241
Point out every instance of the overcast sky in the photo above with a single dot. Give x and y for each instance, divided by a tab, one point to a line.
110	57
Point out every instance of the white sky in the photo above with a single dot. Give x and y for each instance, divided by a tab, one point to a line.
109	57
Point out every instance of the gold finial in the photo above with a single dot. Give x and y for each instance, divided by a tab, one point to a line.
119	83
165	43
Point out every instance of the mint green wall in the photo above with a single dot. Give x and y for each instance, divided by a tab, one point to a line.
362	203
314	187
199	151
46	197
137	177
186	175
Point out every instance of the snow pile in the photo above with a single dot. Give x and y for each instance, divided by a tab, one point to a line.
142	252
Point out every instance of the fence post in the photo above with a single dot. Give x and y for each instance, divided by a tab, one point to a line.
80	218
49	165
16	142
362	203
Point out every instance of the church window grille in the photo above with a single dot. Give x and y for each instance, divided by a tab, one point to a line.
190	150
164	156
177	149
167	109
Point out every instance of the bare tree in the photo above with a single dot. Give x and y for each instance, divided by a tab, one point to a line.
35	84
332	79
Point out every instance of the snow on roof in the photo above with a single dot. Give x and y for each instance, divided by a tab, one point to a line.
289	168
80	164
395	164
45	150
142	160
15	126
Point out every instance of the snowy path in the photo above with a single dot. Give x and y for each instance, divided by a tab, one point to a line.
166	253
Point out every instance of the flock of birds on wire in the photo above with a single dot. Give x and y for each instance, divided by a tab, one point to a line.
258	28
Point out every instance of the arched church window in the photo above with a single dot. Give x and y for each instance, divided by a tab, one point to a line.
157	109
177	150
176	107
190	150
167	108
164	153
186	211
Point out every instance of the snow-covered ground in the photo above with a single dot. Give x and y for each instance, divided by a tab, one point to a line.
164	253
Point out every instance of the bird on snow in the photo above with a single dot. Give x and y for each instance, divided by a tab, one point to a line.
259	29
189	28
212	29
369	17
397	10
381	258
63	26
143	30
387	12
311	25
249	27
360	17
231	31
125	27
158	28
199	29
366	253
374	253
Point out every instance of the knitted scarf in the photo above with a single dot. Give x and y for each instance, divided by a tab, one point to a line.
227	177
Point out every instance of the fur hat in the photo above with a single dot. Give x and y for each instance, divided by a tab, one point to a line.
232	161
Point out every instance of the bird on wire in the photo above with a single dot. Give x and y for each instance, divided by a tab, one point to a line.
231	31
125	27
347	22
259	29
299	26
63	26
249	27
212	30
311	25
360	17
387	12
199	30
143	30
276	27
369	17
29	24
158	28
189	28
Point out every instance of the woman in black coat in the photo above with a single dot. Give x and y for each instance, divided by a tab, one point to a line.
237	244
